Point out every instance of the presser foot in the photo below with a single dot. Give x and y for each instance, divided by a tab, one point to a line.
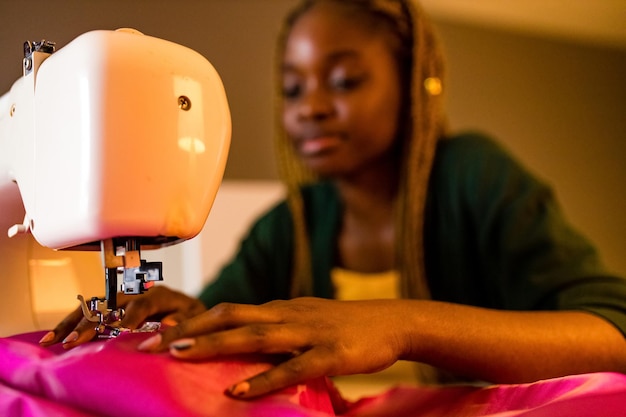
106	321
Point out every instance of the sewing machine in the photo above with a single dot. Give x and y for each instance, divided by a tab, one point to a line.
116	143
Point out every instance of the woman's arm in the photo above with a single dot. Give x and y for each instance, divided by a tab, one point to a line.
324	337
514	346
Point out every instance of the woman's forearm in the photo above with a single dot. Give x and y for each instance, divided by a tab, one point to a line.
512	347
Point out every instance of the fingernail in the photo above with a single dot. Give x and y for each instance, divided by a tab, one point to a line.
47	338
72	337
239	389
150	342
169	321
182	344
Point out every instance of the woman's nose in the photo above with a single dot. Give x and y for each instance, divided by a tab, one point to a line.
315	104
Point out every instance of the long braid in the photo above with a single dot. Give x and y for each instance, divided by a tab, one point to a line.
424	125
294	174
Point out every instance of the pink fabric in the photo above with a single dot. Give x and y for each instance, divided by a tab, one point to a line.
590	395
113	379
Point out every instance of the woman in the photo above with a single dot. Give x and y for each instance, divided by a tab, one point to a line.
492	283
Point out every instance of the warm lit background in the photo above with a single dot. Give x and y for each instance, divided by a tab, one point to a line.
546	77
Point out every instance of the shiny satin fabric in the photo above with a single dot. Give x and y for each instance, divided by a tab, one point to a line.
111	378
589	395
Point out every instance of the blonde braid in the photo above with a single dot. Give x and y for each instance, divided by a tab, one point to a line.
426	126
294	174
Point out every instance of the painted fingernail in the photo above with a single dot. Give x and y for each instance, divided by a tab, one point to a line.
47	338
182	344
169	321
150	342
239	389
72	337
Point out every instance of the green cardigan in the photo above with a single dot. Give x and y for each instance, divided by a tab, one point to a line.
494	237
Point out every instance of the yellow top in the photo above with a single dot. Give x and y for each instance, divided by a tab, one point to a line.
350	285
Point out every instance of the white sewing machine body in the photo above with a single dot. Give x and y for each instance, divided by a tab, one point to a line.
115	136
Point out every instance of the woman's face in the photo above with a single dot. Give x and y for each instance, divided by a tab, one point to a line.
341	93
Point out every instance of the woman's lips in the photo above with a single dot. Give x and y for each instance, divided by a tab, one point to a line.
319	145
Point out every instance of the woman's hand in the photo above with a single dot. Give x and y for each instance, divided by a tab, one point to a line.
159	301
322	338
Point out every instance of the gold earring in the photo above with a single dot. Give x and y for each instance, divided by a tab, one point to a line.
433	86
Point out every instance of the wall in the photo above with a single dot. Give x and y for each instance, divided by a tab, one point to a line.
557	104
237	36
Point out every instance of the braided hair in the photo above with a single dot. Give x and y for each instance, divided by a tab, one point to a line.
420	59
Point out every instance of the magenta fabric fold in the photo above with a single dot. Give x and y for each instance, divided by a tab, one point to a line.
588	395
112	378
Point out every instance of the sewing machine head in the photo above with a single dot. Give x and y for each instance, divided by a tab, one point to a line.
117	142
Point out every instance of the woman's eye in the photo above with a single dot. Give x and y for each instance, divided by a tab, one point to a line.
291	91
346	83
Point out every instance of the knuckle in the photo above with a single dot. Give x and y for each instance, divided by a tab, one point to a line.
257	332
196	307
294	368
178	331
266	381
224	311
301	307
275	303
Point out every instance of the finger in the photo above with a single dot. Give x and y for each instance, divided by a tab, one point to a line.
254	338
83	332
192	309
137	308
180	316
159	300
63	329
294	371
220	317
174	319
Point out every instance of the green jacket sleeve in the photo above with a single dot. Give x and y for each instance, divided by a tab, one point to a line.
260	269
502	241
